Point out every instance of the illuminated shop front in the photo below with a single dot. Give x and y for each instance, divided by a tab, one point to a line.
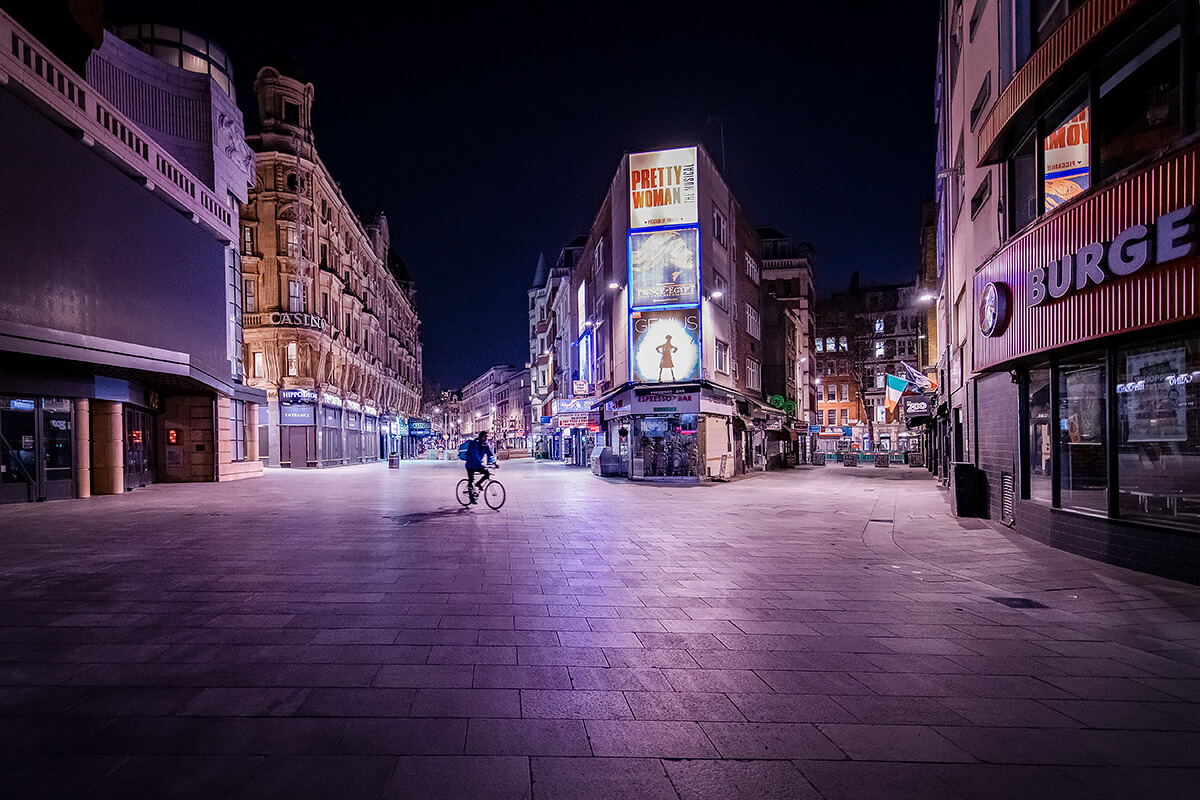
1100	343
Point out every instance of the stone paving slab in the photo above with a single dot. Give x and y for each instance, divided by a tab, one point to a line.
356	633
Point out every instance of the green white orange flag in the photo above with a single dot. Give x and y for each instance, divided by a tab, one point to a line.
895	388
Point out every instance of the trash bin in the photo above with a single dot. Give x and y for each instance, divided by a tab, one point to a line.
394	460
966	490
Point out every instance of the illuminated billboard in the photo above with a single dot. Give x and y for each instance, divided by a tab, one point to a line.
663	188
664	268
665	345
1067	164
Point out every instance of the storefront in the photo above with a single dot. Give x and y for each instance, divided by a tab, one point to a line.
35	449
1089	346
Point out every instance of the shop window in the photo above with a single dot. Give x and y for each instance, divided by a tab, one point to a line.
1158	432
1041	445
1138	111
1083	472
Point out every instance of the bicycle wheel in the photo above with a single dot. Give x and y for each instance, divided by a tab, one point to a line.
463	493
493	495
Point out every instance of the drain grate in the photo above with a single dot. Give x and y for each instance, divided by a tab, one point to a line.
881	520
1017	602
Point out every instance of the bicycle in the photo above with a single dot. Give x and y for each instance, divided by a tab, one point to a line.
493	492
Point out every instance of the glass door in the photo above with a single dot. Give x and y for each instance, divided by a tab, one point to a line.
57	450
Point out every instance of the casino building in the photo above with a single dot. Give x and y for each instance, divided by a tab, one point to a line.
666	368
330	318
1070	268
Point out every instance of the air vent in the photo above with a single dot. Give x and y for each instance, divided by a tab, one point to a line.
1007	497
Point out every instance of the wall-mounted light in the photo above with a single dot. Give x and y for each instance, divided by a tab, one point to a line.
614	285
925	298
717	293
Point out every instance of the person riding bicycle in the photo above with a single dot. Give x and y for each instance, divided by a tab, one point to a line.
479	456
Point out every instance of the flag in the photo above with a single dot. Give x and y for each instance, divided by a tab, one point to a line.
895	387
919	379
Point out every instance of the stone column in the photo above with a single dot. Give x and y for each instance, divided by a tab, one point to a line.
108	447
252	431
83	449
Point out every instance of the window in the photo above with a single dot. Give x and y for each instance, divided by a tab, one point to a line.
752	268
324	255
845	393
879	325
831	416
722	356
845	416
842	344
879	349
237	419
257	361
247	240
753	374
982	195
720	228
1081	434
250	295
293	362
295	301
976	16
1023	187
1158	432
1067	170
820	345
1041	444
981	100
325	305
291	112
1138	112
753	322
830	344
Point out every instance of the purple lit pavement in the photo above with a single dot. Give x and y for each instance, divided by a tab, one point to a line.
354	633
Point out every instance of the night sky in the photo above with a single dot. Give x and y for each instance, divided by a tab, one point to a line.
490	137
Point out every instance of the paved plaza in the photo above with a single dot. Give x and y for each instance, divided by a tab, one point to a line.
355	633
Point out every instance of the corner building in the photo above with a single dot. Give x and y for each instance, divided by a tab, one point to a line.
120	335
1070	164
666	328
330	319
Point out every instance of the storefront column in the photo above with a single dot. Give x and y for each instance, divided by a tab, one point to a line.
252	431
108	450
83	449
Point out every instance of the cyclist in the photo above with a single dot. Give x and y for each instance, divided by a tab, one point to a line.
478	455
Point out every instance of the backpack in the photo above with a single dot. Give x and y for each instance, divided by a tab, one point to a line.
462	450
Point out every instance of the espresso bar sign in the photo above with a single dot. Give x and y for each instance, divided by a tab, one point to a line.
1173	236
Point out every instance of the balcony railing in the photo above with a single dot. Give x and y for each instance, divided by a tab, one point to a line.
74	105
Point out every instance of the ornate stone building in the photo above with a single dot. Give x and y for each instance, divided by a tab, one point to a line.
330	319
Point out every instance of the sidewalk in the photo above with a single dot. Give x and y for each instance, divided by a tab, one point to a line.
354	633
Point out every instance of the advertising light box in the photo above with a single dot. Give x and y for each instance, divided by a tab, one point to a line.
664	268
663	188
665	345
